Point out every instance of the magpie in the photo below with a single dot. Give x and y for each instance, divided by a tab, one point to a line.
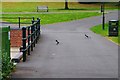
57	42
86	36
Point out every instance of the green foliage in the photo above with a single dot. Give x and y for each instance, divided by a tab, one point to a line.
6	64
53	6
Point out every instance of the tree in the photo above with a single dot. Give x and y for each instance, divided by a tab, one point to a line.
66	4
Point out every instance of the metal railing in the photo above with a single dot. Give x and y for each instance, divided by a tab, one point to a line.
30	36
18	20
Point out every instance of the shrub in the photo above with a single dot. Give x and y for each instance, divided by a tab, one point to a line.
6	64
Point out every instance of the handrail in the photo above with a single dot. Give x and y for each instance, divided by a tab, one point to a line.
19	19
32	24
33	32
16	17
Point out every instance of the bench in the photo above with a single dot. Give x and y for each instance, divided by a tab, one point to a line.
45	8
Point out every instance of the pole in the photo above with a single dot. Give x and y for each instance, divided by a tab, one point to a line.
103	20
19	21
39	26
32	36
29	40
24	43
33	18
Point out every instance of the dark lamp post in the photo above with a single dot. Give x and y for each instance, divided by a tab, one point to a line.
103	19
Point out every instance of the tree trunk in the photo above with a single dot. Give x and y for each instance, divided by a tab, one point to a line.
66	4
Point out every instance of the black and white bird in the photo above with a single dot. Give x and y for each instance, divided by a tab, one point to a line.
57	42
86	36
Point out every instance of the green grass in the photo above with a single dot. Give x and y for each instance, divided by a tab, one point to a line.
98	30
53	6
51	18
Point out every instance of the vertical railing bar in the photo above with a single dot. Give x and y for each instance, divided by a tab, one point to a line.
24	43
19	21
37	31
38	26
33	18
34	35
28	40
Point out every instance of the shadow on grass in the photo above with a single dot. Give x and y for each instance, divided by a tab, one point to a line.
72	9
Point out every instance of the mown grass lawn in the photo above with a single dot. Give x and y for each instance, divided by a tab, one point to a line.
51	18
98	30
53	6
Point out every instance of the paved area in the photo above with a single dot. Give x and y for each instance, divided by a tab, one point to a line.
76	56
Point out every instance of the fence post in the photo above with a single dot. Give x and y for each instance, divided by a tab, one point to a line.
36	30
33	32
19	21
38	27
24	43
37	8
33	18
32	36
28	40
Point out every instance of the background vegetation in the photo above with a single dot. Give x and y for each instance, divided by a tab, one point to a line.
53	6
6	65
